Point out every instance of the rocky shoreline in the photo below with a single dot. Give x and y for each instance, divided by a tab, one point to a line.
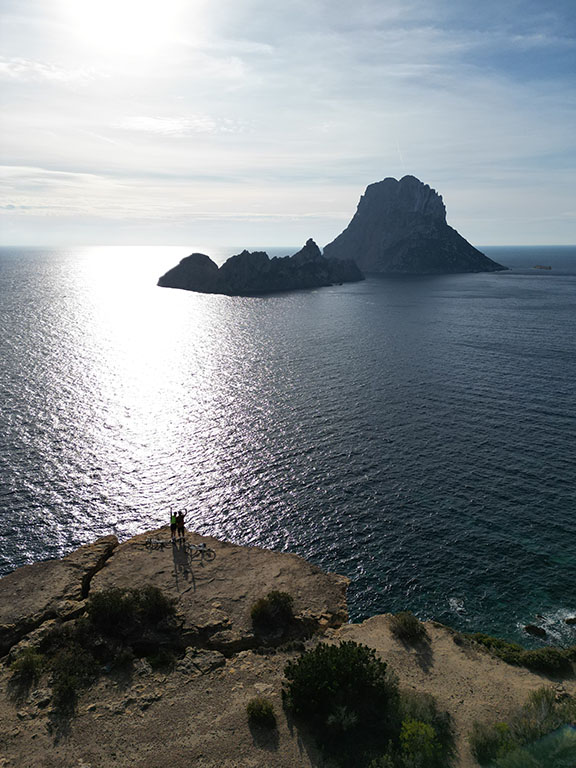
199	708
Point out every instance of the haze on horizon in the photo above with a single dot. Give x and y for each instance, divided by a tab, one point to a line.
184	121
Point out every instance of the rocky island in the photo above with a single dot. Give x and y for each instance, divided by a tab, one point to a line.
400	228
176	691
247	273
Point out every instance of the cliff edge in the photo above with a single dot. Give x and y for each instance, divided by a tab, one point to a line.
195	712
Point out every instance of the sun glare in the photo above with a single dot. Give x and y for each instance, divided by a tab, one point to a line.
125	28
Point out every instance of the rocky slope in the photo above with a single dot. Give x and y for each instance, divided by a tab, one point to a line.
400	228
252	273
196	713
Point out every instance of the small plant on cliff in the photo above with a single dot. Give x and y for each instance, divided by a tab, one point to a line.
72	669
406	627
345	694
272	613
28	666
261	713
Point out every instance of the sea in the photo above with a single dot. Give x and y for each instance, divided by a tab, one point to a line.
415	434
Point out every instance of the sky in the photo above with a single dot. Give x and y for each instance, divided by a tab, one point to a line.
258	122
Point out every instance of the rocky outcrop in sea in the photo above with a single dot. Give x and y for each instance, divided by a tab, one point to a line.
249	273
400	228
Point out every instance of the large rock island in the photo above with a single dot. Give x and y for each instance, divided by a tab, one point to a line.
400	228
249	273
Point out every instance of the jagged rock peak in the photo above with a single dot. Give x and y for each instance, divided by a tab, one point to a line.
408	194
400	228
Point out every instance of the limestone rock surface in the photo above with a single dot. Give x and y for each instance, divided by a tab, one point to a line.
35	593
214	599
400	228
250	273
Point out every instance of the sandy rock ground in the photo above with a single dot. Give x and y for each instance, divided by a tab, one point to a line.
196	714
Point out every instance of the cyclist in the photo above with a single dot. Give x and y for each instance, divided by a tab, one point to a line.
180	525
173	526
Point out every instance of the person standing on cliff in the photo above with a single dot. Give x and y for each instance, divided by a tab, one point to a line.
173	526
180	525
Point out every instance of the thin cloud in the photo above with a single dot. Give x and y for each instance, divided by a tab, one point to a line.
180	126
30	70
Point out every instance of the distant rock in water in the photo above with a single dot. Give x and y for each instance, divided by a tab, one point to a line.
249	273
400	228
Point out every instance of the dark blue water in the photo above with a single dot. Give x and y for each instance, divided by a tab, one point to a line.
417	435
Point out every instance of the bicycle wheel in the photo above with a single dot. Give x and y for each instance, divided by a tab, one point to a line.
208	555
148	544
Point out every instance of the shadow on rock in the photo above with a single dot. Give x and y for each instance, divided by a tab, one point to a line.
264	738
423	652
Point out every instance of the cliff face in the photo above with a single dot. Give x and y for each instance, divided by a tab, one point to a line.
400	228
195	713
255	272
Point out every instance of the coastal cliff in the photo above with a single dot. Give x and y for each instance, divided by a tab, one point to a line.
250	273
194	713
400	228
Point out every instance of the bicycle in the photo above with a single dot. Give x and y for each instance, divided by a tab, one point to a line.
155	543
201	551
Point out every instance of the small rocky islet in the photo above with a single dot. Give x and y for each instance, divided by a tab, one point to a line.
249	273
399	228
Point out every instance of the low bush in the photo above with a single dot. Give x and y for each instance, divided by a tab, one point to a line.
72	670
118	623
406	627
116	611
550	661
420	745
272	613
345	694
28	666
488	742
503	743
422	707
261	713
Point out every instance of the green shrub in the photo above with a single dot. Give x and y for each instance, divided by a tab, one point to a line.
72	670
419	744
503	743
261	713
118	611
422	707
273	612
488	742
151	605
406	627
110	609
344	688
549	660
27	668
385	761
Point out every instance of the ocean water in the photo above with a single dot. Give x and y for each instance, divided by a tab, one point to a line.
417	435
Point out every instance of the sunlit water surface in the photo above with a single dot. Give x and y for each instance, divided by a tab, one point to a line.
417	435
